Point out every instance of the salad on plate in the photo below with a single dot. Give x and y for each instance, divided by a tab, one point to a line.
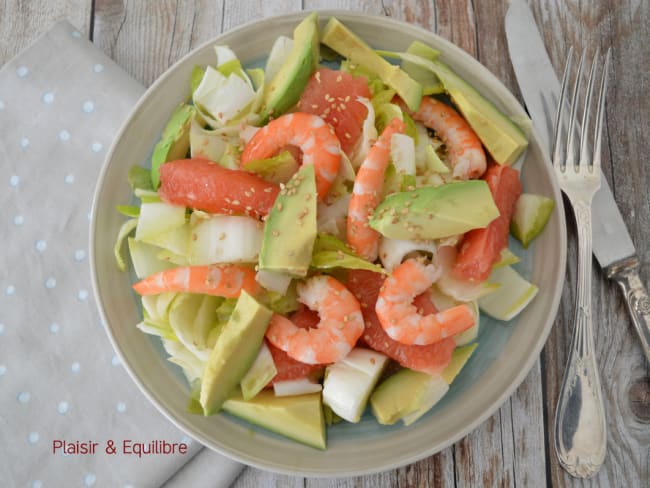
319	237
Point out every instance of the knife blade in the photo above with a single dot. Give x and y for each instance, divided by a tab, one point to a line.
539	85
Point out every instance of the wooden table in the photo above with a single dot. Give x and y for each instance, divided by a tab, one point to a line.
515	446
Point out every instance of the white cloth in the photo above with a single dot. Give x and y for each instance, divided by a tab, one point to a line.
61	102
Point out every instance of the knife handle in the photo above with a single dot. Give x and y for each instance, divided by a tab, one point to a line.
626	274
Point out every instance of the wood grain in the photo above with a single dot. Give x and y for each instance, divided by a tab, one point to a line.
23	21
515	446
173	28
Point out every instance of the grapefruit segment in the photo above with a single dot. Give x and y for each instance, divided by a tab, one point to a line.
203	185
481	248
332	95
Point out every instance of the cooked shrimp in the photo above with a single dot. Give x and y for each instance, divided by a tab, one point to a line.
308	132
401	319
366	193
220	280
464	148
341	323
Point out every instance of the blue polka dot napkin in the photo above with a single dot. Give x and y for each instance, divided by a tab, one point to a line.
62	388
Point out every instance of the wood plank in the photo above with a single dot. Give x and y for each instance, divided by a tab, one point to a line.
623	369
22	21
237	12
174	27
367	6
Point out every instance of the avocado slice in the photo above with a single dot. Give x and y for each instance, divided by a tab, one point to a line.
297	417
234	352
284	90
408	394
500	135
404	393
349	45
174	141
435	212
290	229
459	357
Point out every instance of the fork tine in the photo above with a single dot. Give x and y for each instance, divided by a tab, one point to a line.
601	109
557	146
571	134
585	158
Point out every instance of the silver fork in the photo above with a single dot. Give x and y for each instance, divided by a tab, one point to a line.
580	428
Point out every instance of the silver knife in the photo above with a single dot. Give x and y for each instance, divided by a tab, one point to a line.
540	88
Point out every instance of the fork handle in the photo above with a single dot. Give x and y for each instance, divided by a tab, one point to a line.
580	427
626	274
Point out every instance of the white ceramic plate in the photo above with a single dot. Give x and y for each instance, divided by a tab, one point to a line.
505	354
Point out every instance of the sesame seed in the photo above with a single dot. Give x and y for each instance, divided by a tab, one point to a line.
314	105
339	78
268	190
247	193
236	202
347	135
275	232
279	206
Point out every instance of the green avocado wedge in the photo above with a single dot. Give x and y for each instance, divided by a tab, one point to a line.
174	141
435	212
501	137
408	394
297	417
234	352
283	91
291	228
345	42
